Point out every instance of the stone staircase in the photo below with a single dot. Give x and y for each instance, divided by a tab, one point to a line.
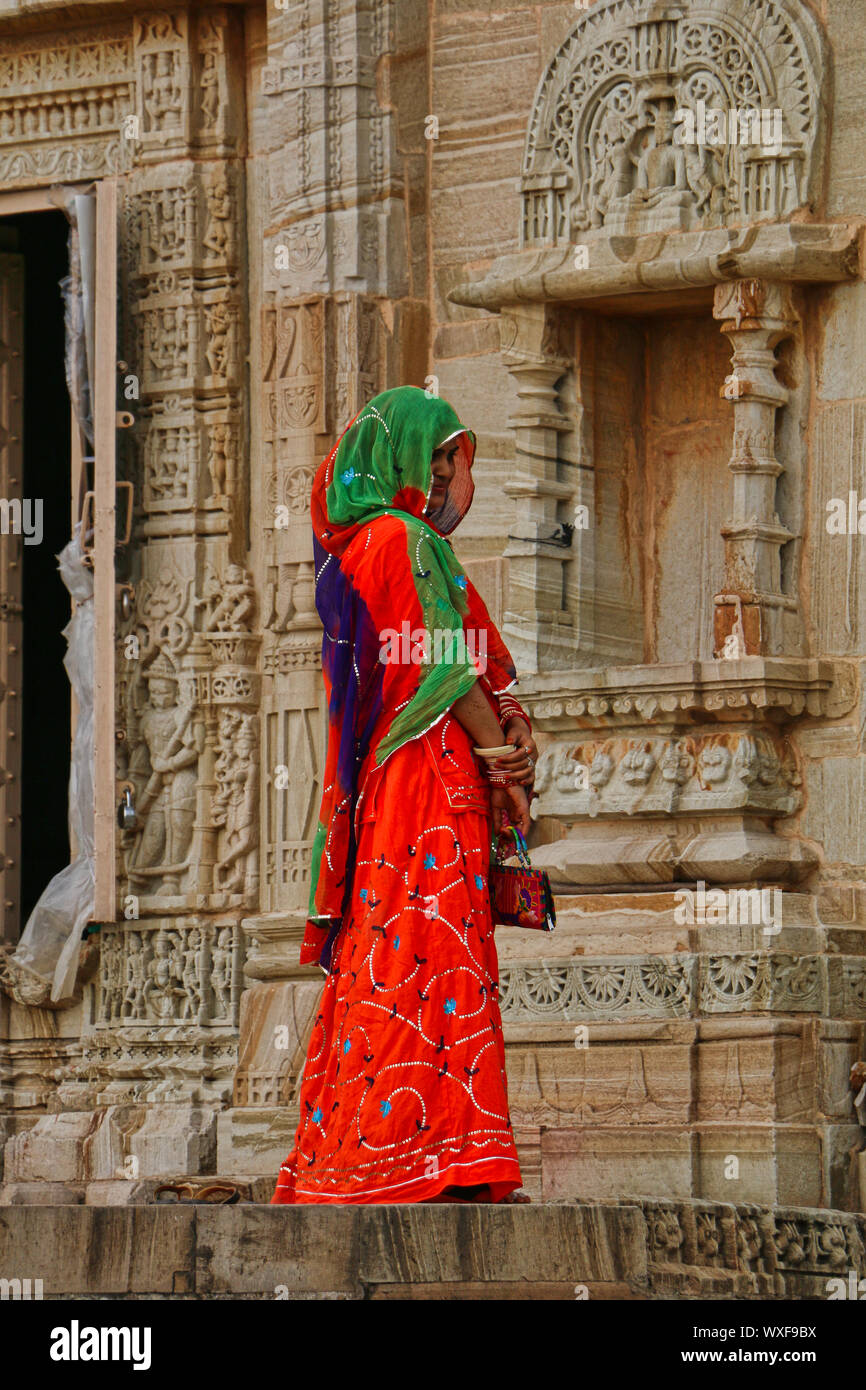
631	1250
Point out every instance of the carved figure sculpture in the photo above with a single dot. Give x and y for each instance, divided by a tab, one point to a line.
163	96
221	973
174	739
134	1003
235	805
235	609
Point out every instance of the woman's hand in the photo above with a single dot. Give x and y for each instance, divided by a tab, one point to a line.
510	807
521	763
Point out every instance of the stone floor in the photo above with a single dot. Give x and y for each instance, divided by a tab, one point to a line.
600	1250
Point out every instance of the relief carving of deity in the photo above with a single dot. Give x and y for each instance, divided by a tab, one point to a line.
231	603
162	100
219	211
664	182
209	88
646	120
172	740
235	804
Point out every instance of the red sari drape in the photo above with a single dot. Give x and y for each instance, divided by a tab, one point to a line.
404	1089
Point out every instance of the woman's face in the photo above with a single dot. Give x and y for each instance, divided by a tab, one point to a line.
443	472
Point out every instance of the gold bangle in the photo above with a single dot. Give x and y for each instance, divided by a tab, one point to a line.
494	752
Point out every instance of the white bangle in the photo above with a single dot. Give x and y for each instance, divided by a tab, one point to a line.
494	752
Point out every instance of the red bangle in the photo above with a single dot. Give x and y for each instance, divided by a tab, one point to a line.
509	709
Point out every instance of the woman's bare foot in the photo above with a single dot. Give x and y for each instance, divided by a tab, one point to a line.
518	1197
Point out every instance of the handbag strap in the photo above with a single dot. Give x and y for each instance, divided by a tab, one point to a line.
521	849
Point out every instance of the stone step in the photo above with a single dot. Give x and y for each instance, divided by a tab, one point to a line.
123	1192
596	1250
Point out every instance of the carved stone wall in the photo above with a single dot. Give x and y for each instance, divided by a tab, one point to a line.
158	100
703	758
652	338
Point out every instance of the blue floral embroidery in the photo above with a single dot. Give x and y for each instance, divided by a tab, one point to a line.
460	581
479	881
396	943
347	476
347	1046
450	1006
317	1116
385	1107
429	861
363	895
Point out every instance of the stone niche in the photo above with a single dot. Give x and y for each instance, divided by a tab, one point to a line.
655	323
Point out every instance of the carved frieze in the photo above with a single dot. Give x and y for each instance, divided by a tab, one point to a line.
170	342
681	986
171	466
188	219
628	776
185	970
784	1240
153	1063
63	105
168	225
645	988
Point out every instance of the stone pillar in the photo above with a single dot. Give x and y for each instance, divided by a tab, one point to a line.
538	628
756	315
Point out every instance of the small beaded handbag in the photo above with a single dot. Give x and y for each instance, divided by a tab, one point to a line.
519	897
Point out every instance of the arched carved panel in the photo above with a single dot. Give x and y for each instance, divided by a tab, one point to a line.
676	117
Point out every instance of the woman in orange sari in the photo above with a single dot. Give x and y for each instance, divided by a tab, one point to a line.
404	1096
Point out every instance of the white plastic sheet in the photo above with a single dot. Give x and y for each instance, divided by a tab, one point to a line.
79	302
50	943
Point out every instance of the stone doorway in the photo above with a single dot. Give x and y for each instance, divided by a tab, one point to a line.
35	477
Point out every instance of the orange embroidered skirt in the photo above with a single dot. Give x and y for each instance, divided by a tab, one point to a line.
404	1091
